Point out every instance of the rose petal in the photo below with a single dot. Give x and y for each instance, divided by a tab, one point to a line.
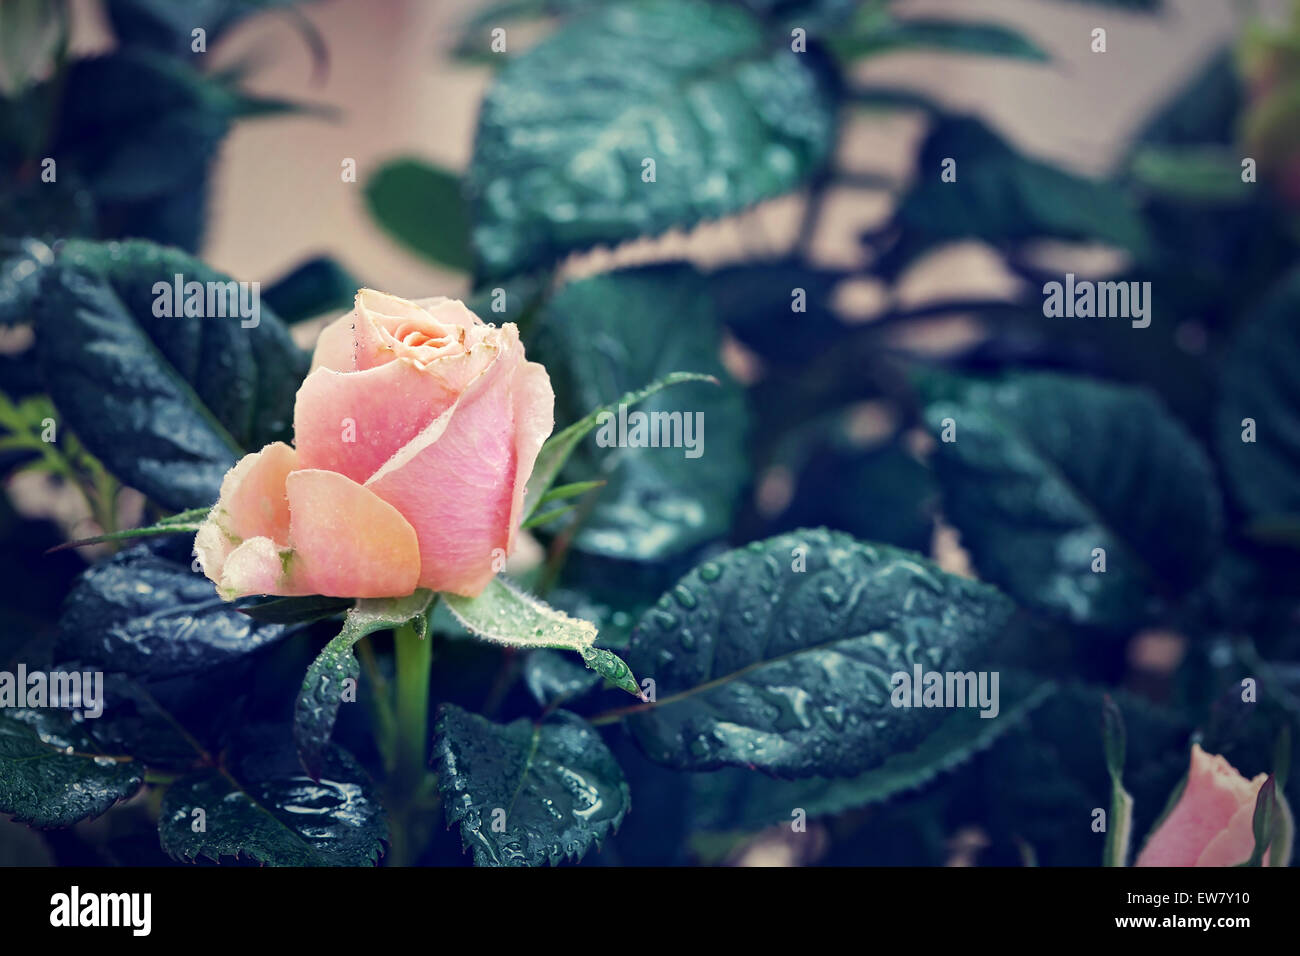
1235	843
252	505
257	567
346	541
336	346
353	422
455	483
1213	795
534	412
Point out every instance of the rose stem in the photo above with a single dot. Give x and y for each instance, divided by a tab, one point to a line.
414	657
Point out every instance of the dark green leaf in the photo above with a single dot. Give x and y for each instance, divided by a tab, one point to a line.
53	773
141	129
1046	468
148	613
603	337
20	282
421	206
1261	382
563	132
296	610
317	286
265	809
167	403
552	677
167	25
1206	110
321	694
1044	779
760	664
557	449
1210	177
1002	196
744	800
554	785
876	31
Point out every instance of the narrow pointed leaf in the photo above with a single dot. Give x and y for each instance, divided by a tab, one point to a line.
558	448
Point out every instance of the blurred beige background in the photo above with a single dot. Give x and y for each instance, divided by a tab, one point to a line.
279	197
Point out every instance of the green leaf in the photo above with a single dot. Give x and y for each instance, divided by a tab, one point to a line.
876	31
1203	176
167	26
553	678
505	615
780	655
1052	768
1119	822
20	282
1046	468
186	522
603	337
557	449
297	610
317	706
146	612
52	771
421	206
559	493
744	800
167	403
1206	110
564	130
313	288
140	129
1263	822
1259	379
265	809
554	785
1001	196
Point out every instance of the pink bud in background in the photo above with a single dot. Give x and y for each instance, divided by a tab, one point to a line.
1212	822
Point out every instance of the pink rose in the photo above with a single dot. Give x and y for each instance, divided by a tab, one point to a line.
1212	823
414	435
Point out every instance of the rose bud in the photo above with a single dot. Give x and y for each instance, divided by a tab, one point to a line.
414	435
1212	824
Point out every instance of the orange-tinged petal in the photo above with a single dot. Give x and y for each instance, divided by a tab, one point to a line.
346	541
252	505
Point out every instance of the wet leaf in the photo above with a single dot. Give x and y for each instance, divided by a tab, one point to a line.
167	403
505	615
554	786
146	612
265	809
606	336
1047	468
743	800
760	664
53	772
565	129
